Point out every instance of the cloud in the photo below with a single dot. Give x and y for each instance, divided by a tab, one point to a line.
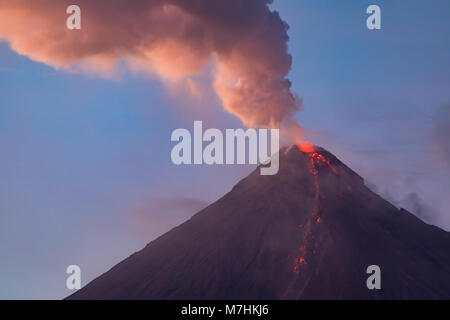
406	191
159	215
441	134
174	39
413	203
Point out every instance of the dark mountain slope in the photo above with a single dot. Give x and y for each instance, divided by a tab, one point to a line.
308	232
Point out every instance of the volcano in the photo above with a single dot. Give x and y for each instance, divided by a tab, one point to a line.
309	232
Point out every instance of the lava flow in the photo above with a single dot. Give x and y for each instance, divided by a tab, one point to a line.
316	159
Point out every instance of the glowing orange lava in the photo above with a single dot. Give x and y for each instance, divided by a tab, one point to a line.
300	260
306	146
316	160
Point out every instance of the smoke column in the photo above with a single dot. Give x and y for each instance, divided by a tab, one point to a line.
175	39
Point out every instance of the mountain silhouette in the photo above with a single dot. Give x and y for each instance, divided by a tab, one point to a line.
309	232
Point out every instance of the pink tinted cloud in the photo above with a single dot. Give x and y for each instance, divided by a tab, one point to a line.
174	39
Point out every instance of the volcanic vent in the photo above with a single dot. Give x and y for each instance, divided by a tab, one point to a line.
309	232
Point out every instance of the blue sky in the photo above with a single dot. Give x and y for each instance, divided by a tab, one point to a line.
86	160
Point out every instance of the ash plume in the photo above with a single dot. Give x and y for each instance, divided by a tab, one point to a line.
175	39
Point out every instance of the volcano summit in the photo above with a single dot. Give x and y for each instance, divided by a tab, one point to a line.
309	232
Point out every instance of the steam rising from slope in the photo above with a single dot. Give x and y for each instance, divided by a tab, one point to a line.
174	39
